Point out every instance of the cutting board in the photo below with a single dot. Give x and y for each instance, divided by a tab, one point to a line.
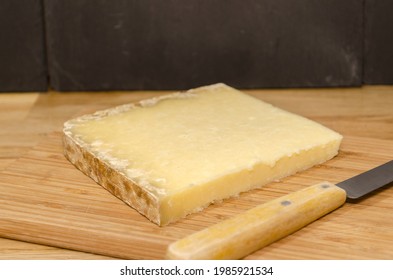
45	199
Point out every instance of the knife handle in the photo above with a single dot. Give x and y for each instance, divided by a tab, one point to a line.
254	229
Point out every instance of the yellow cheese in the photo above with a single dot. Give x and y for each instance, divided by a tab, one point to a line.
173	155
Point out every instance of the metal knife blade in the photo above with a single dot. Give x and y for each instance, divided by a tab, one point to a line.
368	181
256	228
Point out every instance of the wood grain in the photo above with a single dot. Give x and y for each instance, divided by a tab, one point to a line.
14	107
18	250
46	200
361	231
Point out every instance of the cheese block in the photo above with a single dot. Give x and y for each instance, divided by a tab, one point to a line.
175	154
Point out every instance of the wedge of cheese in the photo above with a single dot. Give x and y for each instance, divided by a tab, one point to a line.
173	155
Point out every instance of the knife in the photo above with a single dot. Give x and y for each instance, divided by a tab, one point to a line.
254	229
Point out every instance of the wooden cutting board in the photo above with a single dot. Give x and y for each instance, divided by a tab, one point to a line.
44	199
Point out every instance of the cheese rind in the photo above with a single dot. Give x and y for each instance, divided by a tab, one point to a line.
175	154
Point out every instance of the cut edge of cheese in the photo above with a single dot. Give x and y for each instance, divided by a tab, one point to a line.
161	208
242	181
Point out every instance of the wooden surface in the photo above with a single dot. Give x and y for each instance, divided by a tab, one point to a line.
44	195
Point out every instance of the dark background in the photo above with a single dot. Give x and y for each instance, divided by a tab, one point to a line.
22	46
179	44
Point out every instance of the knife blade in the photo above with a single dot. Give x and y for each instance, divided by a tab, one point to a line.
258	227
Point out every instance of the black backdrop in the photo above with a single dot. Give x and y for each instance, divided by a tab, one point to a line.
179	44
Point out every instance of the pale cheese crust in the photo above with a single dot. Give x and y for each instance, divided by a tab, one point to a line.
108	175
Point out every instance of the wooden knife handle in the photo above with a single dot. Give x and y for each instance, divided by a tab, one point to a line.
256	228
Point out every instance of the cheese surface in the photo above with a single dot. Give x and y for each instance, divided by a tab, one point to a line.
173	155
